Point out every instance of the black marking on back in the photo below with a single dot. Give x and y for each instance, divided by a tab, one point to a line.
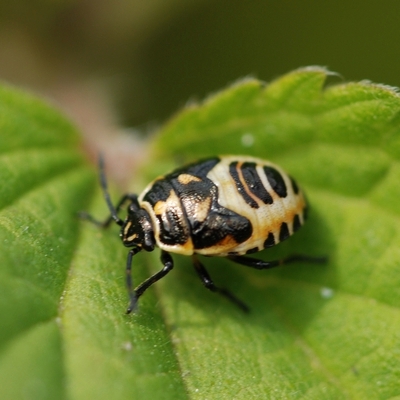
284	232
276	181
160	190
200	168
296	223
173	229
239	186
269	241
220	223
253	181
192	194
294	185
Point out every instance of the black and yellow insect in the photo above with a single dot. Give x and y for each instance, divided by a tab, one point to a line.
225	206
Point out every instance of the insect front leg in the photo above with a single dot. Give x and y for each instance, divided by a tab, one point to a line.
106	194
134	295
128	271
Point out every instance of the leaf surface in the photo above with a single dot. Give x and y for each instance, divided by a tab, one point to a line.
315	331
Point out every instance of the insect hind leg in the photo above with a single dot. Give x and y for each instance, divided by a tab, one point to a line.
209	284
260	264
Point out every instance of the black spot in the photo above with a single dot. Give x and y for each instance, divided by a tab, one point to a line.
254	183
276	181
296	223
239	186
233	253
269	241
284	232
294	185
253	250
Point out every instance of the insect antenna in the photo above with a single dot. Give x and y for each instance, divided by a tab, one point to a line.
106	194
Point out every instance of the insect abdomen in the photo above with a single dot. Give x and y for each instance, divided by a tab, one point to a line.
264	194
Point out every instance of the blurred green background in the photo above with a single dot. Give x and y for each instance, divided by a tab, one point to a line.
134	63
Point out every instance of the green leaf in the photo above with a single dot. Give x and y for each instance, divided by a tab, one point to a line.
63	333
314	332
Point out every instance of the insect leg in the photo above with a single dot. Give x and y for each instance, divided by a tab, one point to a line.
106	194
110	218
128	272
166	259
209	284
260	264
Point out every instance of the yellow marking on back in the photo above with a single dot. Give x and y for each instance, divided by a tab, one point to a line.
185	179
202	209
160	207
